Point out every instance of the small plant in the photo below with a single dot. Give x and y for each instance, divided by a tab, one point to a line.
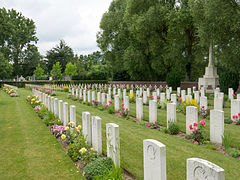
66	89
165	130
189	102
233	152
132	98
162	105
95	103
111	174
99	167
198	133
173	128
227	140
237	119
124	111
141	123
188	136
203	112
228	121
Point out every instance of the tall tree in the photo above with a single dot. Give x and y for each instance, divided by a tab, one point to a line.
39	72
57	71
6	69
62	53
17	33
71	69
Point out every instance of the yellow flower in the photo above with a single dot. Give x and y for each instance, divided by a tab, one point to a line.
71	123
63	136
66	128
33	99
83	150
31	102
79	127
91	149
29	97
37	102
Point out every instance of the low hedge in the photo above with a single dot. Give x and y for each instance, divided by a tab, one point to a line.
21	84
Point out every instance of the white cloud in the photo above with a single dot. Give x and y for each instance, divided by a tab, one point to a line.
75	21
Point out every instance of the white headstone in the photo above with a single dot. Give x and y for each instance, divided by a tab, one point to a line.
191	117
99	97
196	96
103	99
139	109
145	97
171	113
113	143
216	126
183	95
116	103
84	96
97	134
178	91
65	113
162	97
126	102
73	114
235	107
155	96
60	109
89	96
174	98
203	102
152	111
86	125
200	169
154	160
56	107
189	90
218	104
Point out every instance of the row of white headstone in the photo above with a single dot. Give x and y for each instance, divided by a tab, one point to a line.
155	164
92	130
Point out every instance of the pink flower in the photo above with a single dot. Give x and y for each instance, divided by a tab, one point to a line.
158	97
135	100
106	105
171	101
148	125
104	89
121	112
202	122
233	116
195	124
122	108
126	109
203	107
223	98
195	128
196	142
122	104
152	96
92	100
110	102
180	99
190	127
137	95
239	114
233	95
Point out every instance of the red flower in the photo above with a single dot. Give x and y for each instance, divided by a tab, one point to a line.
195	124
195	128
190	127
203	107
196	142
122	108
106	105
233	95
148	125
180	99
171	101
121	112
110	102
202	122
92	100
223	98
126	109
152	96
158	97
239	114
122	104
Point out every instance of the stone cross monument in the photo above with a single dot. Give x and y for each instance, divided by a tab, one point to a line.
210	80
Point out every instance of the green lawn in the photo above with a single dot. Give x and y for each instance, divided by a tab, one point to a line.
178	150
28	150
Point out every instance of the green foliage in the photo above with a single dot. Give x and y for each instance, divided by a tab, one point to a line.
227	120
162	105
42	112
233	152
98	72
173	128
49	119
98	167
61	53
228	79
66	89
174	79
165	130
113	174
227	140
71	69
110	110
57	71
39	72
17	41
6	69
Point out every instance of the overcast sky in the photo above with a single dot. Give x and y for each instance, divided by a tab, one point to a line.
75	21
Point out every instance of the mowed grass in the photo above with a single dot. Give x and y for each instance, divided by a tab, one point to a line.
131	145
28	150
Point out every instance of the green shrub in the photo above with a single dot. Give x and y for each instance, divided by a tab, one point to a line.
42	112
165	130
66	89
98	167
110	110
174	79
173	128
233	152
228	78
188	136
227	121
77	144
111	174
49	119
